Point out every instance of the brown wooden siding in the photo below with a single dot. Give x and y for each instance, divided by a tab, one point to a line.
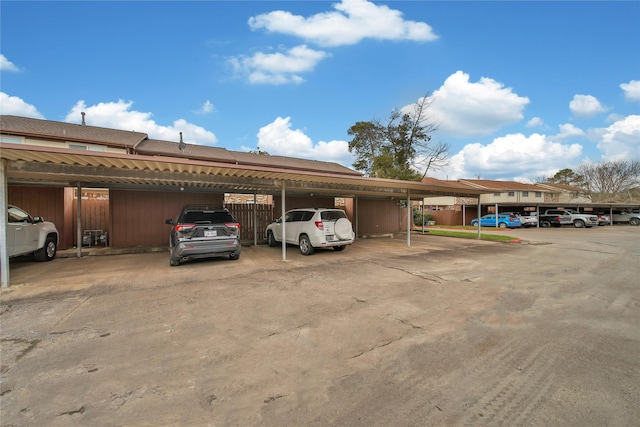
46	202
138	217
453	217
377	217
95	217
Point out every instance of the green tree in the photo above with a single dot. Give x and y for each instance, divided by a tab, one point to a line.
401	148
567	177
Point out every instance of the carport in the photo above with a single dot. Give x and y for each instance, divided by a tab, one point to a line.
61	167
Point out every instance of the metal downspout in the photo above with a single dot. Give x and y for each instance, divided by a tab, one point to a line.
409	218
255	219
79	222
284	223
611	215
356	213
4	251
479	215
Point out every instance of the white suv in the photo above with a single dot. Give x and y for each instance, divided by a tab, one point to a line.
311	228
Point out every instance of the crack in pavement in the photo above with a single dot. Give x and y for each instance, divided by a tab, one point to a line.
386	343
425	276
299	328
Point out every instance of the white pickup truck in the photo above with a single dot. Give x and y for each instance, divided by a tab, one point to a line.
27	235
569	217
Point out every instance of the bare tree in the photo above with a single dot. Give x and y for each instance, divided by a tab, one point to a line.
611	181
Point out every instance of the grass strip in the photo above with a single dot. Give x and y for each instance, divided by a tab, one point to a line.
472	235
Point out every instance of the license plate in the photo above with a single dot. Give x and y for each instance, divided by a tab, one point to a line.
210	233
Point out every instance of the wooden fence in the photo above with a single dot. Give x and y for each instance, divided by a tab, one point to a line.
243	213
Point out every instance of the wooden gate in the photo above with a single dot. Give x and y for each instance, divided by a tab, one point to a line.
243	213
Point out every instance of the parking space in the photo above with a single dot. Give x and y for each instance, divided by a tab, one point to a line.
446	332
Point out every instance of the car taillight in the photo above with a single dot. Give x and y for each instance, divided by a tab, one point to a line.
232	225
183	228
320	225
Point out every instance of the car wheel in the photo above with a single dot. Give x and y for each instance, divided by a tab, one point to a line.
474	223
48	251
578	223
634	221
305	245
339	248
173	261
234	256
342	229
271	241
502	225
546	224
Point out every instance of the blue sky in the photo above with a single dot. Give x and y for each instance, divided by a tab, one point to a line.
520	89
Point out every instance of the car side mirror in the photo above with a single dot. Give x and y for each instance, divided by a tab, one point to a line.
38	219
168	221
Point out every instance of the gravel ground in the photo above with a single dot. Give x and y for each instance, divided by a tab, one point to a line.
447	332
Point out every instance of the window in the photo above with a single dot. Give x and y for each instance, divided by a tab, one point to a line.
511	193
538	193
332	215
17	215
86	147
10	139
497	194
525	194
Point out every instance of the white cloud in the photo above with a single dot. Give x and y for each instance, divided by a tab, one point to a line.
585	106
118	115
621	140
535	122
631	90
279	67
351	22
205	108
511	155
568	130
277	138
463	109
6	65
14	106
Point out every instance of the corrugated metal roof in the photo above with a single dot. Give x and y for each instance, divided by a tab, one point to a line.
65	167
25	126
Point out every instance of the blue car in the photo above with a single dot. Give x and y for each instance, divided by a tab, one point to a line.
504	221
